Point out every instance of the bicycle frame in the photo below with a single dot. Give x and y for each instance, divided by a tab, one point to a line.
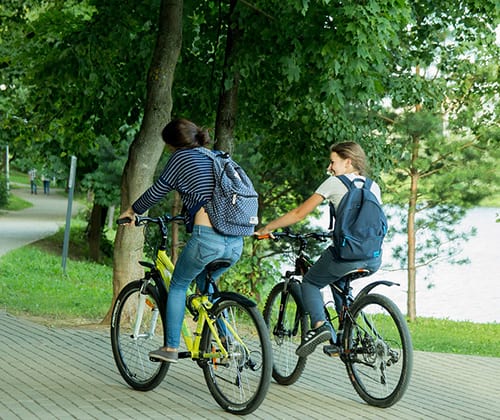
348	300
226	330
378	365
165	267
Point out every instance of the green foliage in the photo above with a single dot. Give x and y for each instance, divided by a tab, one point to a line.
75	71
73	82
313	79
450	173
104	181
4	194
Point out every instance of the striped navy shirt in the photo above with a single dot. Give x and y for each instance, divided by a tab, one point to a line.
188	172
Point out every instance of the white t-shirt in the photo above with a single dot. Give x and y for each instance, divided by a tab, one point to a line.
333	189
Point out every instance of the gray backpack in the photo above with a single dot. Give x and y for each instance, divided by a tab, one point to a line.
234	204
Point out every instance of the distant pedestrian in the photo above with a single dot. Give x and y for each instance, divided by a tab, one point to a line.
46	184
32	175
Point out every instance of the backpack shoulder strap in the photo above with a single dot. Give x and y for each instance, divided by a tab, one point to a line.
206	152
368	183
212	153
348	184
346	181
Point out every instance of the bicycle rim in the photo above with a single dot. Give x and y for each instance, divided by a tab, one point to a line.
131	353
377	350
239	383
285	333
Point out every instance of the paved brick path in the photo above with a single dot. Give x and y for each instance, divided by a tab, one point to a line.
69	373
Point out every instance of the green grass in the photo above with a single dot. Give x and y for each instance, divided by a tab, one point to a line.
429	334
33	284
16	203
18	177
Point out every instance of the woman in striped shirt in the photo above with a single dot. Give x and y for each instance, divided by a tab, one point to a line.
190	173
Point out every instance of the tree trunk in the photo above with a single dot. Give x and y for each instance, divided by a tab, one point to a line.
228	98
146	149
412	211
96	226
174	229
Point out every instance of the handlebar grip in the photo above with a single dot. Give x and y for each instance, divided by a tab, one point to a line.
124	221
261	237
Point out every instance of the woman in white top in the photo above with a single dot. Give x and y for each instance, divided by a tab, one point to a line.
345	159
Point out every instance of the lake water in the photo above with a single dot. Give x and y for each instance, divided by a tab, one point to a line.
468	292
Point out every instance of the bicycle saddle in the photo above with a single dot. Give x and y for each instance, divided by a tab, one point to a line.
217	264
356	274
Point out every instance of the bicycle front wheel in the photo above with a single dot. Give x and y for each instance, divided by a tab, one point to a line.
377	350
239	383
286	325
136	329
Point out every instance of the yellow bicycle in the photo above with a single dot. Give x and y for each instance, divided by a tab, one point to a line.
230	341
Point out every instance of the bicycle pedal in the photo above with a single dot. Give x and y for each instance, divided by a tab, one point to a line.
331	350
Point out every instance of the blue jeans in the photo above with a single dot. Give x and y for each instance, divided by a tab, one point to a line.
325	271
204	246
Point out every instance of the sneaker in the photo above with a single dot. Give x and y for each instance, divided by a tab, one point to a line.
163	356
312	339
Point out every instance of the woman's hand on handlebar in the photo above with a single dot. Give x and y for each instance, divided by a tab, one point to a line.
263	233
127	218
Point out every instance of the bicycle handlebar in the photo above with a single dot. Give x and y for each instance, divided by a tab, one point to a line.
320	236
143	220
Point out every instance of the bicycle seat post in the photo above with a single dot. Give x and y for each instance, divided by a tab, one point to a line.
211	268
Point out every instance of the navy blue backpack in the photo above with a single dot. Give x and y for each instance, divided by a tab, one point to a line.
360	222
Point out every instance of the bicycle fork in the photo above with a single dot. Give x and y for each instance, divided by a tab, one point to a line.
141	307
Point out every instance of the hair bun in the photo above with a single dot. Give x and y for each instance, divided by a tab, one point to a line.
202	137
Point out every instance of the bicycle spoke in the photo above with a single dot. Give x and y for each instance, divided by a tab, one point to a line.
239	381
377	350
132	341
286	326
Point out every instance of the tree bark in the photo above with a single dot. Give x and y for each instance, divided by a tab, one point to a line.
146	149
412	240
96	226
228	98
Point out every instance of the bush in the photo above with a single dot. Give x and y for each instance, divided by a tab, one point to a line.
4	194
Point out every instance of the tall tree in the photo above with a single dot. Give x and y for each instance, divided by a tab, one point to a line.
444	87
147	147
228	97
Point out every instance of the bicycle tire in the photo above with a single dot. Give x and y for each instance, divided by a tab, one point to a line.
286	335
132	355
239	383
377	350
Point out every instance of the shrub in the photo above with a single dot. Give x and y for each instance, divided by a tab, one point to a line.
4	194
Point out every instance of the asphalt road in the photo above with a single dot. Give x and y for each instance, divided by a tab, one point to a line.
18	228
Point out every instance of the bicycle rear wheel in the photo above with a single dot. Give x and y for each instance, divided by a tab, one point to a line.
377	350
240	382
286	325
130	351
